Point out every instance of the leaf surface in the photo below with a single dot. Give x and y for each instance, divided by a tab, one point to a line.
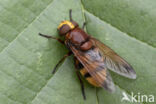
26	59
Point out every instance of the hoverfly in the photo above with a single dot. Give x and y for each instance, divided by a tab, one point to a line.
92	57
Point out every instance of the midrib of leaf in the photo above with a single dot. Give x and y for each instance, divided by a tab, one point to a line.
97	99
84	18
27	26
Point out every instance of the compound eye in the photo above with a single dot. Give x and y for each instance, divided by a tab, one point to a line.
64	29
75	24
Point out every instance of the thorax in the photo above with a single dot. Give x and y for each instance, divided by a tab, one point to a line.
79	39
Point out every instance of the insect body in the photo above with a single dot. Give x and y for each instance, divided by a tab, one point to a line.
92	57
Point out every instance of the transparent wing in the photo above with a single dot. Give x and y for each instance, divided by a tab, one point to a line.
113	61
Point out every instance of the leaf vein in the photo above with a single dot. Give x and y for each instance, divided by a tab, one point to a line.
26	27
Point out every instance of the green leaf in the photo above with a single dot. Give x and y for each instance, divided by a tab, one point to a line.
26	59
136	18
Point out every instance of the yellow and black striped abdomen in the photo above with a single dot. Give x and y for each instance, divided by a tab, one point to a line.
86	74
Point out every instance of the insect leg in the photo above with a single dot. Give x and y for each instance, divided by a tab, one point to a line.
84	24
82	85
47	36
62	59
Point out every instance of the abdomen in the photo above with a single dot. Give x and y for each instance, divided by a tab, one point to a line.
85	73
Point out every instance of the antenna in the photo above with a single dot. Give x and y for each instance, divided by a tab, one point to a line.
70	15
